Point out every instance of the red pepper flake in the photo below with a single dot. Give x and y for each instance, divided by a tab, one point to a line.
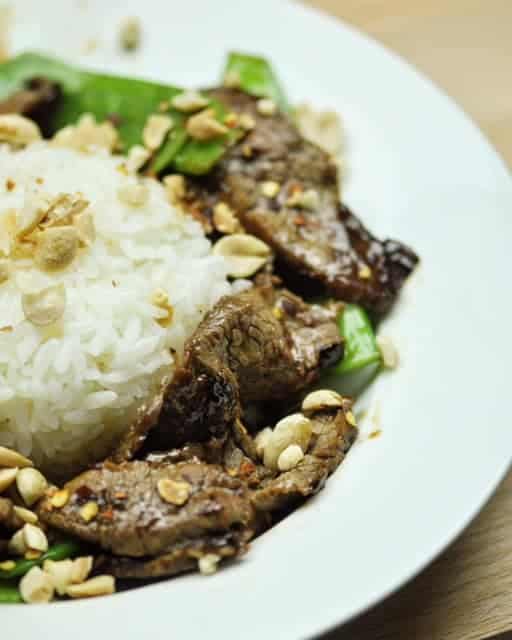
246	468
10	185
294	188
299	220
107	514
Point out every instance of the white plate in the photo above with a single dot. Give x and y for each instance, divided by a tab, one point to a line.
420	171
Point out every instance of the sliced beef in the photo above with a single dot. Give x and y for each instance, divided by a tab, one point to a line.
320	247
333	436
135	522
37	100
273	491
261	346
178	560
264	345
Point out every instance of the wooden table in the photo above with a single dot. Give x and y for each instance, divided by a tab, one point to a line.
465	46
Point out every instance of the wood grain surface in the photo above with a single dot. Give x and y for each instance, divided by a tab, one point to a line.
465	46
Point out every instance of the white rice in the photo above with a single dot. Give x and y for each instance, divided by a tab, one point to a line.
66	395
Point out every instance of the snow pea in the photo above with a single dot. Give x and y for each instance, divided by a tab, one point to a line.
362	359
197	158
361	348
130	100
59	551
9	594
257	77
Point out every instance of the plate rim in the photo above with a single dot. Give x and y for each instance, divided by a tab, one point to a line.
492	483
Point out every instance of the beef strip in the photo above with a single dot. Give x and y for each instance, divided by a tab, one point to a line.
37	100
325	248
332	437
181	558
261	346
152	536
273	491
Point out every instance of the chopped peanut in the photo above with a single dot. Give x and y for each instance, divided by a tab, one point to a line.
7	477
36	586
266	107
130	34
175	187
270	189
224	218
56	248
322	399
208	564
290	457
25	515
261	440
60	498
81	569
189	102
294	429
203	126
18	130
35	538
232	80
245	253
11	458
17	545
89	511
174	492
351	419
155	130
137	158
246	122
87	135
60	573
98	586
365	273
388	352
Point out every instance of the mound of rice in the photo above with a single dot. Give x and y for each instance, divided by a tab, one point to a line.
67	391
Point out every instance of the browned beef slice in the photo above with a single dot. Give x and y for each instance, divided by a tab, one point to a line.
270	490
327	246
263	345
178	560
37	101
332	438
135	521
